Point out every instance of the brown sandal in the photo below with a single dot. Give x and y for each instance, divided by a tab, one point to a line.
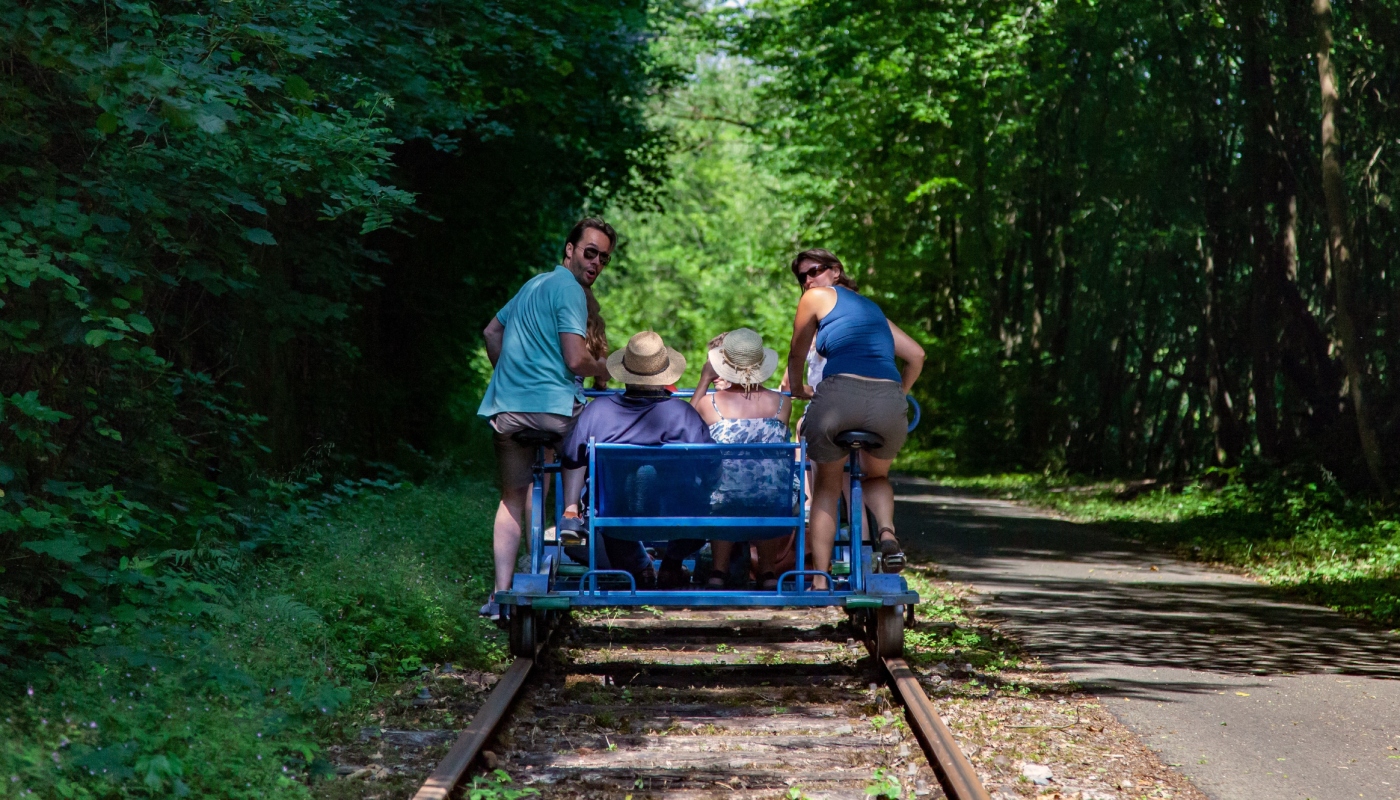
891	554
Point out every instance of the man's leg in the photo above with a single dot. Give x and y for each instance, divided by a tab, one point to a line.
511	514
573	489
515	462
632	557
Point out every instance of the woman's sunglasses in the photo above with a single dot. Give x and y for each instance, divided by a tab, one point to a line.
803	276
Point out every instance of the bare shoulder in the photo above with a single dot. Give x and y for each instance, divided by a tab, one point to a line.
819	300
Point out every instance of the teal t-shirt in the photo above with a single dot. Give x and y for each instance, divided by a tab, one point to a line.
531	375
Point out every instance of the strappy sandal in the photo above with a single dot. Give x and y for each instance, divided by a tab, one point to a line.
891	554
716	580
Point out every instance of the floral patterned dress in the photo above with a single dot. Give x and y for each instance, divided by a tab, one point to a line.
758	482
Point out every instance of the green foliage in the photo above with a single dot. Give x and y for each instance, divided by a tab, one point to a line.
222	261
1106	219
241	704
885	784
709	253
497	786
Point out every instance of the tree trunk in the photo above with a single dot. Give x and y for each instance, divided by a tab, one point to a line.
1334	189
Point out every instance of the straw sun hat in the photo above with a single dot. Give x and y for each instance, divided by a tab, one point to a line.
646	361
742	359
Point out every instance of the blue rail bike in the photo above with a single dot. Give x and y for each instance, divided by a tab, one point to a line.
658	494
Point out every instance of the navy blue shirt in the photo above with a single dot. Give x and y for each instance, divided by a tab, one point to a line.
855	339
631	419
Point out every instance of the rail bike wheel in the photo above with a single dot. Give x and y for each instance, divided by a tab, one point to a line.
889	632
524	636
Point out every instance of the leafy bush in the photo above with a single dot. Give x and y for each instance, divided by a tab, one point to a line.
369	586
203	209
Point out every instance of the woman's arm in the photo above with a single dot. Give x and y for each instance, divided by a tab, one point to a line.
908	351
815	304
700	400
784	409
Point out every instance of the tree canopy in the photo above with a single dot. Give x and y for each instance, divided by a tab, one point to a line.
1113	221
244	242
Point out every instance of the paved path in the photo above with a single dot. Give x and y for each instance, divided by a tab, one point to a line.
1254	698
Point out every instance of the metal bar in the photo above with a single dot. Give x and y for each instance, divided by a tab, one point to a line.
537	513
586	588
857	513
954	771
697	522
459	759
558	516
711	446
801	585
591	393
802	510
593	503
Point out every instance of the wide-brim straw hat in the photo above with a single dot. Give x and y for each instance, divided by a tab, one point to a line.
646	361
742	359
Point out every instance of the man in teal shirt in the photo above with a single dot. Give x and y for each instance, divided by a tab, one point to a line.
536	345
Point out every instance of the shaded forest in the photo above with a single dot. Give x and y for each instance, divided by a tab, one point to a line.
249	246
1141	238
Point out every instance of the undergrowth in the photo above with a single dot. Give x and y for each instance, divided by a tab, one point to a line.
945	632
1305	535
238	703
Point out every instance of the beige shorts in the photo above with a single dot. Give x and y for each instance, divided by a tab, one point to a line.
844	403
515	460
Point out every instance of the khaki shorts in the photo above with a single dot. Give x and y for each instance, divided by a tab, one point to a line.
845	403
515	460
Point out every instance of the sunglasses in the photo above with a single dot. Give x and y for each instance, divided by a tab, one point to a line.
805	275
590	252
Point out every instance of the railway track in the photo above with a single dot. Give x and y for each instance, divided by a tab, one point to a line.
699	704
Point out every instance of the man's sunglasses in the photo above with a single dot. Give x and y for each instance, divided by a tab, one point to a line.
803	276
590	252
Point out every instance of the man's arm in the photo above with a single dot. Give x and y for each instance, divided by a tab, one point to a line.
579	360
494	334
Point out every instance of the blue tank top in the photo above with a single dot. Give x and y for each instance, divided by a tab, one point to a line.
855	339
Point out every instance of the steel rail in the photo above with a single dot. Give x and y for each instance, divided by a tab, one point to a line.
954	771
468	746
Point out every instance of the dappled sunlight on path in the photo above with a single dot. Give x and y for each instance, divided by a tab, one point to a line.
1251	694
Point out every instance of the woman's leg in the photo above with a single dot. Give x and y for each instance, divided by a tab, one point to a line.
821	532
721	552
768	552
877	492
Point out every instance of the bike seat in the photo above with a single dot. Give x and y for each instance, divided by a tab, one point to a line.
858	440
534	438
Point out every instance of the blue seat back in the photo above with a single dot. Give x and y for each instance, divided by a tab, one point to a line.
732	492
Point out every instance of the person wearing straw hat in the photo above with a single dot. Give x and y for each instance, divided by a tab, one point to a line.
645	414
742	411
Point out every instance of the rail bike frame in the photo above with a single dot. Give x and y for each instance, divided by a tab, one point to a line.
551	586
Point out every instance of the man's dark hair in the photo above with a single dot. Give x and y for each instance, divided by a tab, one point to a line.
827	259
584	224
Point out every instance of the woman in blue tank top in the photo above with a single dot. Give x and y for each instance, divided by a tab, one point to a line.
862	388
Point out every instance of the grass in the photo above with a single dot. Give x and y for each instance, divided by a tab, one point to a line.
308	640
1306	536
945	632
